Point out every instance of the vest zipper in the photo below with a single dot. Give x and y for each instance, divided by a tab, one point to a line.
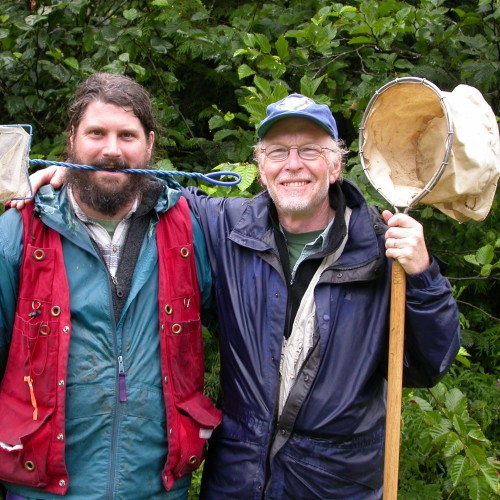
117	409
122	388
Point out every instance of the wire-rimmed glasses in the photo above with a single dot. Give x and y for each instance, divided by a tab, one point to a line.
306	152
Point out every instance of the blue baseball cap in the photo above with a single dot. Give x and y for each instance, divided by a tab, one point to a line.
297	105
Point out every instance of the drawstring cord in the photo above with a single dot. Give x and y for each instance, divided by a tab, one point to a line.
29	381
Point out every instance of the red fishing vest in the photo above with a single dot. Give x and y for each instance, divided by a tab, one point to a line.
32	391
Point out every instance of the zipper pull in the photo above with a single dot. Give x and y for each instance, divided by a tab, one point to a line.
122	389
118	289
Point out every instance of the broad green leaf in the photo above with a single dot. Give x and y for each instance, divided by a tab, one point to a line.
309	86
486	270
478	488
263	85
72	63
216	121
137	69
474	431
223	134
476	454
130	14
457	469
361	40
347	9
248	172
269	62
244	70
257	110
34	19
249	39
485	255
240	52
453	445
421	403
491	476
165	164
439	432
88	39
455	401
282	48
160	45
471	259
263	42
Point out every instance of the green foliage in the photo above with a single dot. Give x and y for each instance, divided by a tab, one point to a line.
213	67
450	454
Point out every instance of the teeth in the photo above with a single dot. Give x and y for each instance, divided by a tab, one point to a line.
295	184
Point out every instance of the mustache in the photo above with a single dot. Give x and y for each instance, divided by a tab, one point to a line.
114	163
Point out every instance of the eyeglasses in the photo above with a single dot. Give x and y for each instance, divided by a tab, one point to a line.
306	152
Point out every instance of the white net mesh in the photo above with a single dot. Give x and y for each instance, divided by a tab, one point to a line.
404	142
14	149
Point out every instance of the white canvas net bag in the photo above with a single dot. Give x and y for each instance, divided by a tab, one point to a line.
14	150
419	144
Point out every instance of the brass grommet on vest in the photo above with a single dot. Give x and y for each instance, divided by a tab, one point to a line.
184	252
39	254
193	459
29	465
44	329
168	309
176	328
55	311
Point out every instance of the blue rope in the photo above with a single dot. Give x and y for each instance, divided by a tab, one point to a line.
210	177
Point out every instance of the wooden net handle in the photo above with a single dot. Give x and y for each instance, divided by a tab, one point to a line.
394	381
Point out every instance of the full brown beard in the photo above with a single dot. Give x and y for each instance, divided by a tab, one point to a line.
108	199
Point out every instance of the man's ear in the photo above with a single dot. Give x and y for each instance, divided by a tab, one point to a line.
336	169
71	138
262	176
151	142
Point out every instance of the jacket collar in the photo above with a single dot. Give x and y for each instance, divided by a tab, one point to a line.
258	225
161	195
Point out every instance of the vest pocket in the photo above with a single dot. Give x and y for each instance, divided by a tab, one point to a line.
31	372
24	447
185	345
196	418
28	398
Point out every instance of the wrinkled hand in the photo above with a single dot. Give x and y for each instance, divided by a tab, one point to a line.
404	241
52	175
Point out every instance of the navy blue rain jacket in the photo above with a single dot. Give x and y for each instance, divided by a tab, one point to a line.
328	442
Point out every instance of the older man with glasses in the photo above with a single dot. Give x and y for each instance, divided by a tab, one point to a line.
302	279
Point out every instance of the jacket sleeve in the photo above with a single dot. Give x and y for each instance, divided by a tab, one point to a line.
203	270
208	212
432	336
10	259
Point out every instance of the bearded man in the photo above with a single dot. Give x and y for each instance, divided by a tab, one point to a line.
101	354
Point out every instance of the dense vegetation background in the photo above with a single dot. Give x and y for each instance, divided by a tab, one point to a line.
212	67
